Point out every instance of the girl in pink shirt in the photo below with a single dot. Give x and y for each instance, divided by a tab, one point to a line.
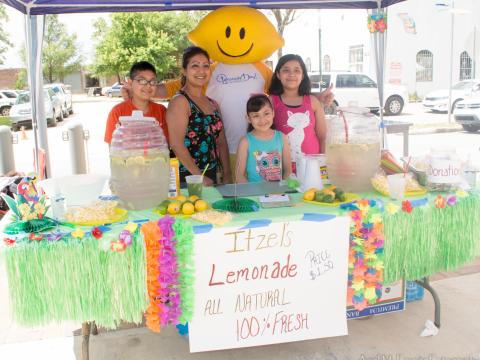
298	114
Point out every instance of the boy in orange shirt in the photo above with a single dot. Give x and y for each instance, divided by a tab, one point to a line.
143	82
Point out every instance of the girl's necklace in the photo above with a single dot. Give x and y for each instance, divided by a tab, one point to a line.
296	101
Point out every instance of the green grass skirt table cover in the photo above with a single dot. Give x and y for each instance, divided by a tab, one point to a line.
74	281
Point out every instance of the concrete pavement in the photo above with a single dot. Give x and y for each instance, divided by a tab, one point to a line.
391	336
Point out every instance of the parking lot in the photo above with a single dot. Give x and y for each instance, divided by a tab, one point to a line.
429	130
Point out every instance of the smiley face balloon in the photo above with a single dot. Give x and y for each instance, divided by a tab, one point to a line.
236	35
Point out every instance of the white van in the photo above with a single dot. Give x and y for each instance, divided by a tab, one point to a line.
351	88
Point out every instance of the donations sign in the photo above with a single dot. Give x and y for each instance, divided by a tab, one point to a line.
269	283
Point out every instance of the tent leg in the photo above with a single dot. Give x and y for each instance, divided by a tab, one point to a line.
425	283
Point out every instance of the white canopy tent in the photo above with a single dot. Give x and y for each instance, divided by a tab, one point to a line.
35	11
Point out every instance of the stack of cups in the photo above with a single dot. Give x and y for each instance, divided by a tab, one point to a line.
396	186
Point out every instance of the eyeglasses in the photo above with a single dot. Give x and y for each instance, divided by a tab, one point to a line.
142	81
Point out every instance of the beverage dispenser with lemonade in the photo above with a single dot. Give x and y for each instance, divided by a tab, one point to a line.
353	148
139	162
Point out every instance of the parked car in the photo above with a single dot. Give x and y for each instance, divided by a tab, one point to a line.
437	101
21	111
65	96
114	90
106	88
467	113
361	90
7	99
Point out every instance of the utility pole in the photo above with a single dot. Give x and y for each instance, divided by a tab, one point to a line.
451	62
320	51
474	65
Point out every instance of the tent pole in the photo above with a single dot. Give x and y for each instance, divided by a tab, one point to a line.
378	45
34	27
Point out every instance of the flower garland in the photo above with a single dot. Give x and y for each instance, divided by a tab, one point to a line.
170	272
184	239
377	22
152	235
168	278
365	261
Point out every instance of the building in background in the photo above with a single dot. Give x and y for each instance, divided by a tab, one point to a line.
78	81
418	42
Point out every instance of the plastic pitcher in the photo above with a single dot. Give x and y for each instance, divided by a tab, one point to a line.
300	167
312	177
139	162
352	148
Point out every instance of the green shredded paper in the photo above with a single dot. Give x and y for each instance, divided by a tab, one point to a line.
429	239
74	281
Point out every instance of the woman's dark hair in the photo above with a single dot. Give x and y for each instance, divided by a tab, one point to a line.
190	52
255	103
276	87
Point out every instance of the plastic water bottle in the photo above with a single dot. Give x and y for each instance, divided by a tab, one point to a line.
413	291
58	205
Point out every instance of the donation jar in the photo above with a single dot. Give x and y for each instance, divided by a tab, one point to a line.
139	162
352	148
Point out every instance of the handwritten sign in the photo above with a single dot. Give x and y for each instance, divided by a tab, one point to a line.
444	171
277	283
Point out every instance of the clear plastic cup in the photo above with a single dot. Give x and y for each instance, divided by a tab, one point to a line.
396	186
194	185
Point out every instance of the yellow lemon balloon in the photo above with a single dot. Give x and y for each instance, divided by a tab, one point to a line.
236	35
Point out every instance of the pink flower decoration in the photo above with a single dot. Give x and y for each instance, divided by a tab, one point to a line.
118	246
452	200
381	25
126	237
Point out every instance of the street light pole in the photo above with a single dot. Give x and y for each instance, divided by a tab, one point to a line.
451	63
320	51
474	52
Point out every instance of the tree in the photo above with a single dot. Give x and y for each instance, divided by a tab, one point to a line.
61	55
4	41
157	37
22	82
283	18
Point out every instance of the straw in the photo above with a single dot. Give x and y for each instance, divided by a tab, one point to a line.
205	170
406	166
345	125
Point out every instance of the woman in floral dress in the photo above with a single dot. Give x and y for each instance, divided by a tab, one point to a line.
196	133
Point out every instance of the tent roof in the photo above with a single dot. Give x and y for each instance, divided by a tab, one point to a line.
40	7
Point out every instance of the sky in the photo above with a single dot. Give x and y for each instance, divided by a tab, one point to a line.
81	24
305	27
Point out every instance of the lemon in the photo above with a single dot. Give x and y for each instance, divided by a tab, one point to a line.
309	195
181	198
173	208
193	198
201	205
188	208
